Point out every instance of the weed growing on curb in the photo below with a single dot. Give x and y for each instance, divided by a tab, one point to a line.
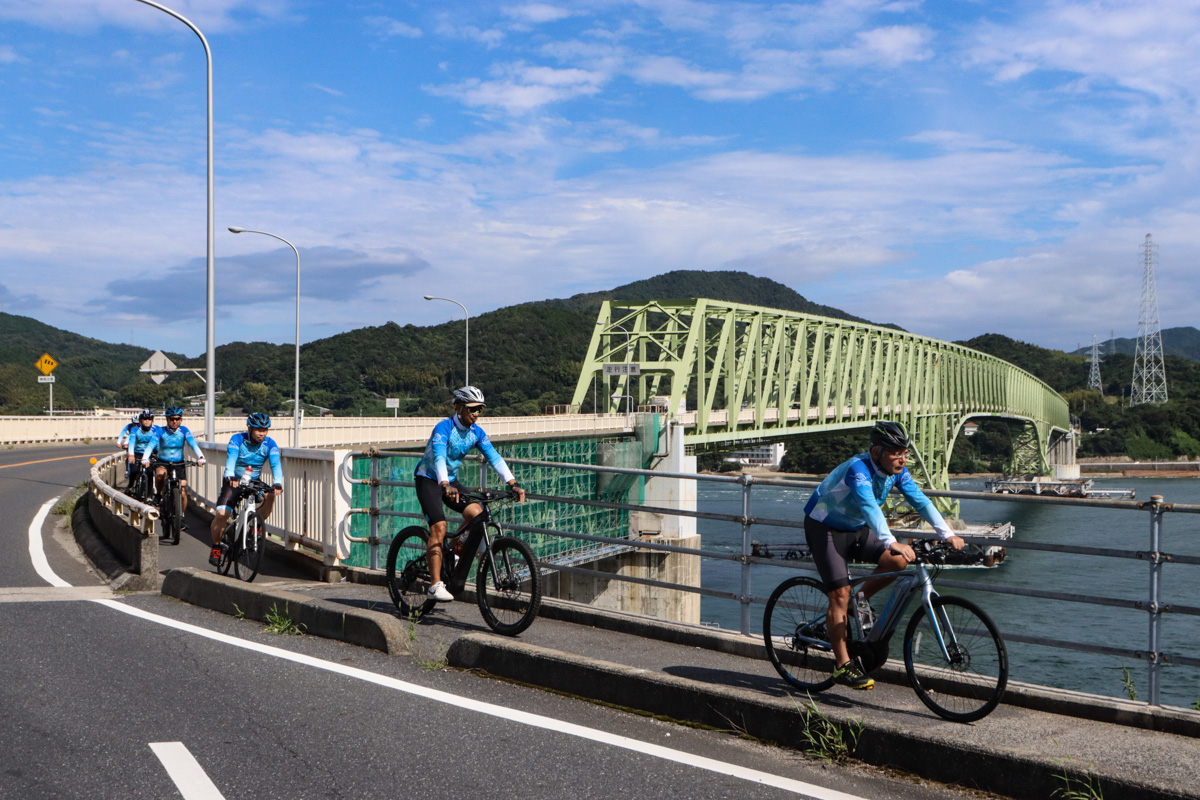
1127	680
1196	705
238	612
66	503
1082	785
281	623
826	739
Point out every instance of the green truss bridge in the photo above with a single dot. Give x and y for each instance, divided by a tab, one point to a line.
737	375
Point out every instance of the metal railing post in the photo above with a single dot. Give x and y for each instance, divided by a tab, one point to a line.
1155	608
374	503
747	481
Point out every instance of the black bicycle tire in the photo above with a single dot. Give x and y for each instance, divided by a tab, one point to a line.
230	541
176	512
821	664
250	553
410	573
491	598
990	691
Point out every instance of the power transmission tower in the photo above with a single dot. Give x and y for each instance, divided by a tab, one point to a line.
1094	374
1149	371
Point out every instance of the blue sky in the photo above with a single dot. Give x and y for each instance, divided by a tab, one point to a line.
957	168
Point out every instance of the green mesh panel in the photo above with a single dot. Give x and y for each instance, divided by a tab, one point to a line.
625	452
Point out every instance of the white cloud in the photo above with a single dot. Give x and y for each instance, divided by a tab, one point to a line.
9	55
537	13
386	26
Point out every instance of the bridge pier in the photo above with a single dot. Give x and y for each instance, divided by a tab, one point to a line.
639	598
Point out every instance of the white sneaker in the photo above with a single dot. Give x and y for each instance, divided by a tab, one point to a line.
438	592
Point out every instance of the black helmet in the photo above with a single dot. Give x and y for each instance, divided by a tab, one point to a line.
258	420
889	435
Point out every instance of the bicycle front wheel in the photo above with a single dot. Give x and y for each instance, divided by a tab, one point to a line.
965	681
250	550
795	634
407	572
177	512
507	586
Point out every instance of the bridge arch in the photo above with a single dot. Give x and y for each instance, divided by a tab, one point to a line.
736	375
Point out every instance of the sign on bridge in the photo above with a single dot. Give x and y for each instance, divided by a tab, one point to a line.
158	365
622	369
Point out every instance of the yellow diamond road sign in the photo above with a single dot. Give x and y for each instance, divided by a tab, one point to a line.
46	364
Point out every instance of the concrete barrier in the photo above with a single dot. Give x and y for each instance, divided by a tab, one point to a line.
136	553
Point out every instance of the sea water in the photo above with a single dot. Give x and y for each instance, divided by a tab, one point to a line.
1126	580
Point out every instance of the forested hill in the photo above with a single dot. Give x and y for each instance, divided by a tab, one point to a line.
525	357
1183	342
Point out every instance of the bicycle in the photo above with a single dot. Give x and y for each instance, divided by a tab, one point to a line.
953	654
140	481
244	539
507	585
170	501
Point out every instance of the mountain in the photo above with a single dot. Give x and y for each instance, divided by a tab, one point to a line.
89	371
1183	342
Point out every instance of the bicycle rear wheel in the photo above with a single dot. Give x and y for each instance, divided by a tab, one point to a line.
507	586
250	549
407	572
231	541
969	684
795	634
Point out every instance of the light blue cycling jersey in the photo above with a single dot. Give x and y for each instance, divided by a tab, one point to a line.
123	439
851	495
170	445
139	439
449	445
242	453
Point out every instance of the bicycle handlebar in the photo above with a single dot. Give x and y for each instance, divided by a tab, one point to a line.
486	496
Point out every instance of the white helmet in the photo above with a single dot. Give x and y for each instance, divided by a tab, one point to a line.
468	395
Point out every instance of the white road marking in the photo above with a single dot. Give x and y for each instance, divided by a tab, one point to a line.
36	553
801	788
190	778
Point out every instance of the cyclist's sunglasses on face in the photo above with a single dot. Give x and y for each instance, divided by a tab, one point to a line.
259	430
475	409
174	419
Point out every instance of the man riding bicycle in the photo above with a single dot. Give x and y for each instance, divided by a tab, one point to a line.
843	522
244	459
139	439
436	476
169	442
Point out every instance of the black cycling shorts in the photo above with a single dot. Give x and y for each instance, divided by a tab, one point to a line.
832	550
176	470
431	498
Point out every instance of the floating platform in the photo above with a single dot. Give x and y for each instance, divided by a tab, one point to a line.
1070	487
972	554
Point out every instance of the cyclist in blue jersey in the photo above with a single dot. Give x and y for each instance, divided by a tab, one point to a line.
123	443
842	522
123	439
244	458
169	443
139	439
436	475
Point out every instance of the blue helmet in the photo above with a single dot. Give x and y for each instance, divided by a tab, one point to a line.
174	411
258	420
146	414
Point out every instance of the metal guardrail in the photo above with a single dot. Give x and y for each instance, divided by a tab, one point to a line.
1154	654
136	513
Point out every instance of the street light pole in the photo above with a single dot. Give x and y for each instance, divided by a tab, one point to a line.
466	337
296	400
210	397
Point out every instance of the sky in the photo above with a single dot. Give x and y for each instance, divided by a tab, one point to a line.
954	167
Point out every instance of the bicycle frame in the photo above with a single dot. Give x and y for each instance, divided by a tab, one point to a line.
476	531
905	584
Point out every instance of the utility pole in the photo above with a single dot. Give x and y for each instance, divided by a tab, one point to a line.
1149	370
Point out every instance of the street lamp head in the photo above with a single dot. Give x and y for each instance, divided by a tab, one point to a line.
430	297
237	230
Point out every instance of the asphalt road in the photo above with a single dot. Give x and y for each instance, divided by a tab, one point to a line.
114	698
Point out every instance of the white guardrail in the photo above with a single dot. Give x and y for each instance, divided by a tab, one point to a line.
312	513
314	431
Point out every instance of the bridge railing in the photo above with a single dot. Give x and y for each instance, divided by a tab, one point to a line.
1053	625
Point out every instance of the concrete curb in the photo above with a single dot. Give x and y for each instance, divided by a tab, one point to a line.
782	721
372	629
